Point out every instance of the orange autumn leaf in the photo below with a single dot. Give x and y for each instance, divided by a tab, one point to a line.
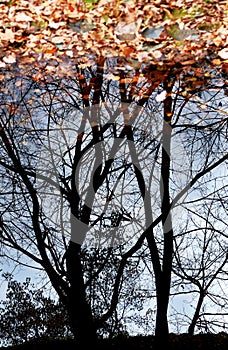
50	50
129	80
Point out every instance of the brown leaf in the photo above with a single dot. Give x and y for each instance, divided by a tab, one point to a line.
188	62
27	59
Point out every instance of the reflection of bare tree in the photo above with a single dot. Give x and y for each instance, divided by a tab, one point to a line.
122	158
200	260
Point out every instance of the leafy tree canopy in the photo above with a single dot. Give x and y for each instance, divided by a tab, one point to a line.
27	313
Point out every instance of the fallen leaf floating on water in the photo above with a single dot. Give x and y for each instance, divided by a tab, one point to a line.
153	32
57	39
56	25
22	17
8	35
223	53
126	31
10	59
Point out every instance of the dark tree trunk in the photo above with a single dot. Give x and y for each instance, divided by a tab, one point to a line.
192	326
161	326
163	282
79	310
163	292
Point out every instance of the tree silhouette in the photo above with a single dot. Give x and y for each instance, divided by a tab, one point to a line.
106	159
27	313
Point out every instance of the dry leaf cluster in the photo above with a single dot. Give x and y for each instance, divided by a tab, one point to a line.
57	31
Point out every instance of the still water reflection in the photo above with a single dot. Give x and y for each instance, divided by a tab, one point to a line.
116	149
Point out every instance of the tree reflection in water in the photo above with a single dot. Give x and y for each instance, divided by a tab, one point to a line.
113	179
